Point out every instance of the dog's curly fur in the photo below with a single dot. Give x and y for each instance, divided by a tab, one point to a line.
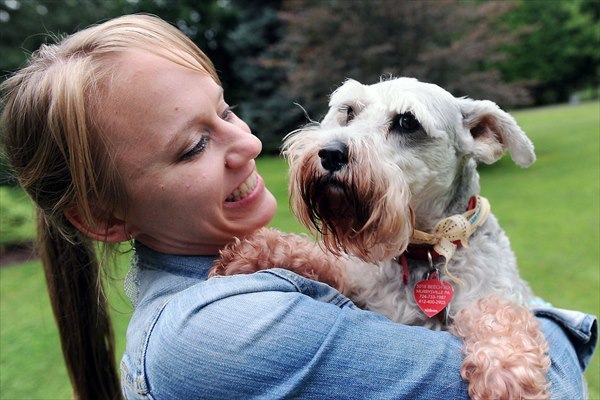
387	159
271	248
504	350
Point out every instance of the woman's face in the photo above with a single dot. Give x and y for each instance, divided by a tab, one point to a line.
186	159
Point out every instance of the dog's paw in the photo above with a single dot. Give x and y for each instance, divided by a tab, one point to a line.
505	352
251	254
271	248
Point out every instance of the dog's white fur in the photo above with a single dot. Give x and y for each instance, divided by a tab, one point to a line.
439	175
392	181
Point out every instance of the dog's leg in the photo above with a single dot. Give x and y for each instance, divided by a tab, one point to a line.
270	248
505	352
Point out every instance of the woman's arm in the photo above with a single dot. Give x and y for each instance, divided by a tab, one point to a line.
276	335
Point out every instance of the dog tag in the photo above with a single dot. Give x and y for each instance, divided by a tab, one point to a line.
432	295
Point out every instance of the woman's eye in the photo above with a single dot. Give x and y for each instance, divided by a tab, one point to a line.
196	149
228	113
405	123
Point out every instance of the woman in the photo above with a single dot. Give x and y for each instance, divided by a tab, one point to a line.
121	132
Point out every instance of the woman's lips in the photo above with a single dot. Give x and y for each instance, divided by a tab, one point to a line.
246	188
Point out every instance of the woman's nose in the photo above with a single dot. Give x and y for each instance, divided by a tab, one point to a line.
244	146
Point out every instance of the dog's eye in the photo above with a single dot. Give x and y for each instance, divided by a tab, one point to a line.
405	123
349	113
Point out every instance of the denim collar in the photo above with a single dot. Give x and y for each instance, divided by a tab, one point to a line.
189	266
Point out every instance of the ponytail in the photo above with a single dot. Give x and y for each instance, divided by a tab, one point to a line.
48	145
64	160
81	311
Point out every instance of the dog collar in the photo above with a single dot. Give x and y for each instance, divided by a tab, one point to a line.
449	234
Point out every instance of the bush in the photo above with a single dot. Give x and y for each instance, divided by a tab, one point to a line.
17	217
7	177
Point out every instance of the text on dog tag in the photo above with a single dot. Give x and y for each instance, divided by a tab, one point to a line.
433	295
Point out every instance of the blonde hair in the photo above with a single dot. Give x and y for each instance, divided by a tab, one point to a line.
61	157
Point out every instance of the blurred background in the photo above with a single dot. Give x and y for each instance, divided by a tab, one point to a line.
274	53
279	60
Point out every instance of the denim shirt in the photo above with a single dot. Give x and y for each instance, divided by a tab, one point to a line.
275	334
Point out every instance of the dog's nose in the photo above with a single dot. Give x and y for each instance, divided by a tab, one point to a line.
334	156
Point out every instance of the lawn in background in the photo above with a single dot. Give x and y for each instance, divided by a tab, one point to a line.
550	212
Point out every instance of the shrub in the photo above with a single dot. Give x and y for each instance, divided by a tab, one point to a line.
17	217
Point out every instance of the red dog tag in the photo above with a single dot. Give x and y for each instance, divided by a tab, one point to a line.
433	295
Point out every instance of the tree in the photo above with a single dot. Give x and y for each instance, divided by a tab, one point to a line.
271	54
256	89
559	53
447	42
25	25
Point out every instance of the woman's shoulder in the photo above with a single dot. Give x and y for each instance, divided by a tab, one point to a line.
207	321
241	299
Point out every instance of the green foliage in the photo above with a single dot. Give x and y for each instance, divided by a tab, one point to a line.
273	53
328	42
559	50
7	177
17	222
25	25
262	106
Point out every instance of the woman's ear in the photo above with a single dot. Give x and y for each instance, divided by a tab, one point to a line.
106	229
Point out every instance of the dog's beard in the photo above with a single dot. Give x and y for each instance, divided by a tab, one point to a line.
355	211
334	207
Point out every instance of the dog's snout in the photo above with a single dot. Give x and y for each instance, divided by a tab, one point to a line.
334	156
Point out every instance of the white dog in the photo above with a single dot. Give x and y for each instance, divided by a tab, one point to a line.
389	177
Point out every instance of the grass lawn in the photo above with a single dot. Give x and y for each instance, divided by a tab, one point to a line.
550	211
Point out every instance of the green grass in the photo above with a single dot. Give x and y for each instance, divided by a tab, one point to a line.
550	211
30	355
274	172
31	364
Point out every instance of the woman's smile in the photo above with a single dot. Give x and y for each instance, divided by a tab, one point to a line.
245	189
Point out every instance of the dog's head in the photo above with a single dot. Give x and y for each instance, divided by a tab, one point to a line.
387	153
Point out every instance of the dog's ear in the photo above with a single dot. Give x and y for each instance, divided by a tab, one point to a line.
494	131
